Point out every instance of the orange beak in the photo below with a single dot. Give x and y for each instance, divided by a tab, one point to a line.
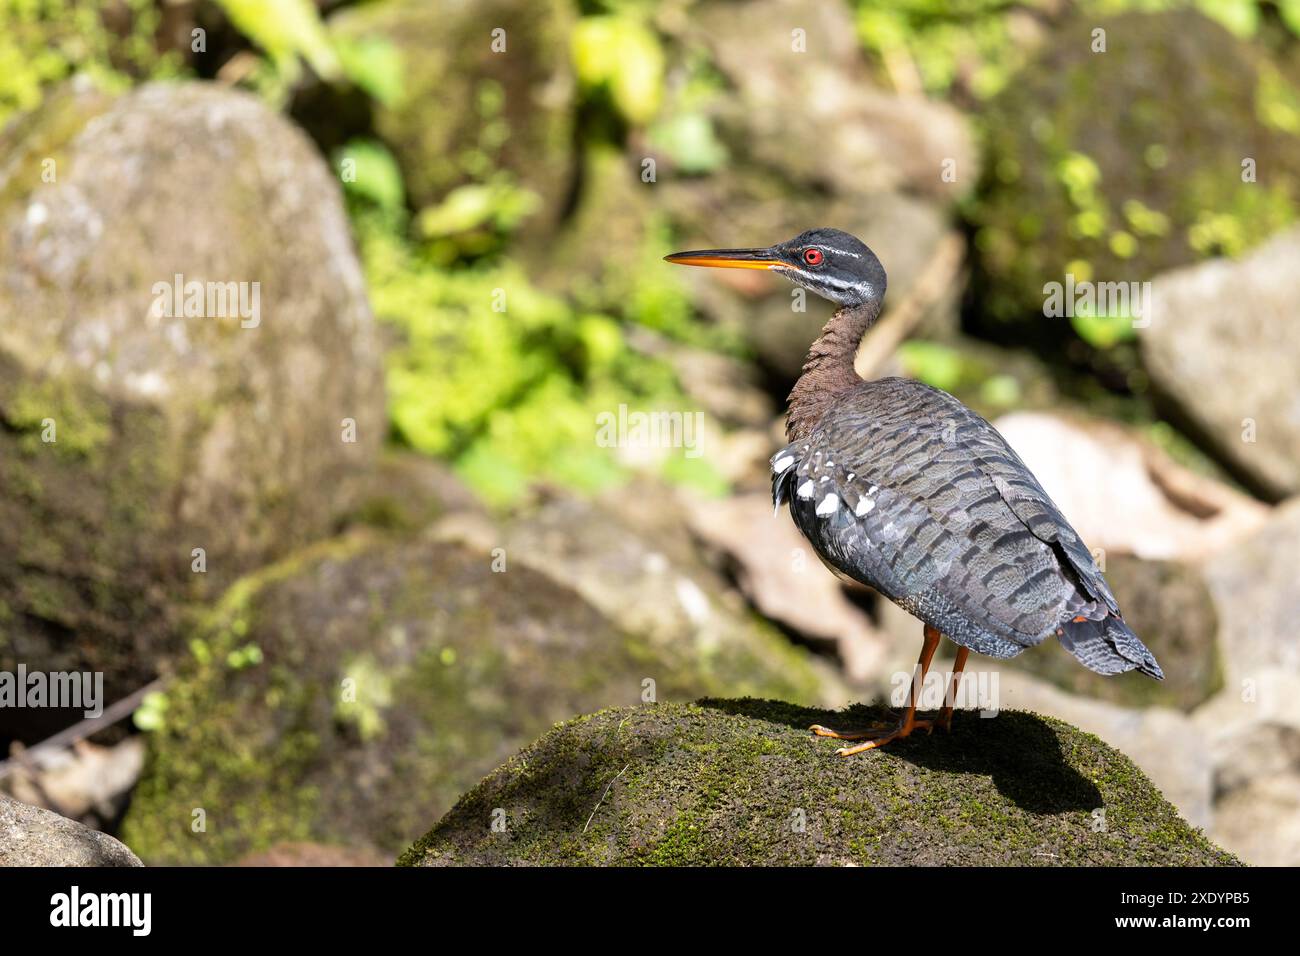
729	259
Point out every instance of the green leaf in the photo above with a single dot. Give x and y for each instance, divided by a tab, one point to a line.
689	141
374	64
369	171
1104	330
621	54
286	29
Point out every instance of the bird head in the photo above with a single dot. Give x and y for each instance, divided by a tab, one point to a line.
831	263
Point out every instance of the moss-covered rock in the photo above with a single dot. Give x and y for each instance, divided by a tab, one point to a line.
474	102
742	782
348	694
631	555
1116	165
134	430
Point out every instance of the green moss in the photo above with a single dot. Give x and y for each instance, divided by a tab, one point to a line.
742	782
70	544
390	675
1110	199
43	43
75	420
976	48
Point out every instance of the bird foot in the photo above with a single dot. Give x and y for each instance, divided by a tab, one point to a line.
874	739
821	731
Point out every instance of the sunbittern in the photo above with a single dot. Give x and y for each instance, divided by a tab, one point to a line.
900	486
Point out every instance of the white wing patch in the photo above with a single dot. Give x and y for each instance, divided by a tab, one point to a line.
829	505
807	469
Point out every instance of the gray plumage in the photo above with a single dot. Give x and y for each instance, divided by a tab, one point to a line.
932	508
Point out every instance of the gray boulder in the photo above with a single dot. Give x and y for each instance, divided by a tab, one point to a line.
30	836
465	109
1257	594
1224	346
803	105
133	430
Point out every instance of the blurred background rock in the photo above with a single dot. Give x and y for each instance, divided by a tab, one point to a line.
458	236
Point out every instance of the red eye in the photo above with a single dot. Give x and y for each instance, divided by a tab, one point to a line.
813	257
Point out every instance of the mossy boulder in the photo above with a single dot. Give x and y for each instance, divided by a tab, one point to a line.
134	430
742	782
631	555
1117	165
349	694
475	104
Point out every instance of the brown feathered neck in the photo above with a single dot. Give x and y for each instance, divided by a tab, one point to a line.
828	370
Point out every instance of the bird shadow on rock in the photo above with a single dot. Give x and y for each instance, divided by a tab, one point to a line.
1019	751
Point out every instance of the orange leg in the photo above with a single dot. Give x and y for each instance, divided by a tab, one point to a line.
950	698
909	721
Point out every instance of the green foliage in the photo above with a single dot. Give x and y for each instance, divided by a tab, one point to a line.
962	374
373	64
291	33
979	45
45	41
1071	186
689	141
287	30
1103	330
500	378
152	712
370	173
622	56
499	206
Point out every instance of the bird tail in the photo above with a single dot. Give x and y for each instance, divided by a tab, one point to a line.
1108	647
